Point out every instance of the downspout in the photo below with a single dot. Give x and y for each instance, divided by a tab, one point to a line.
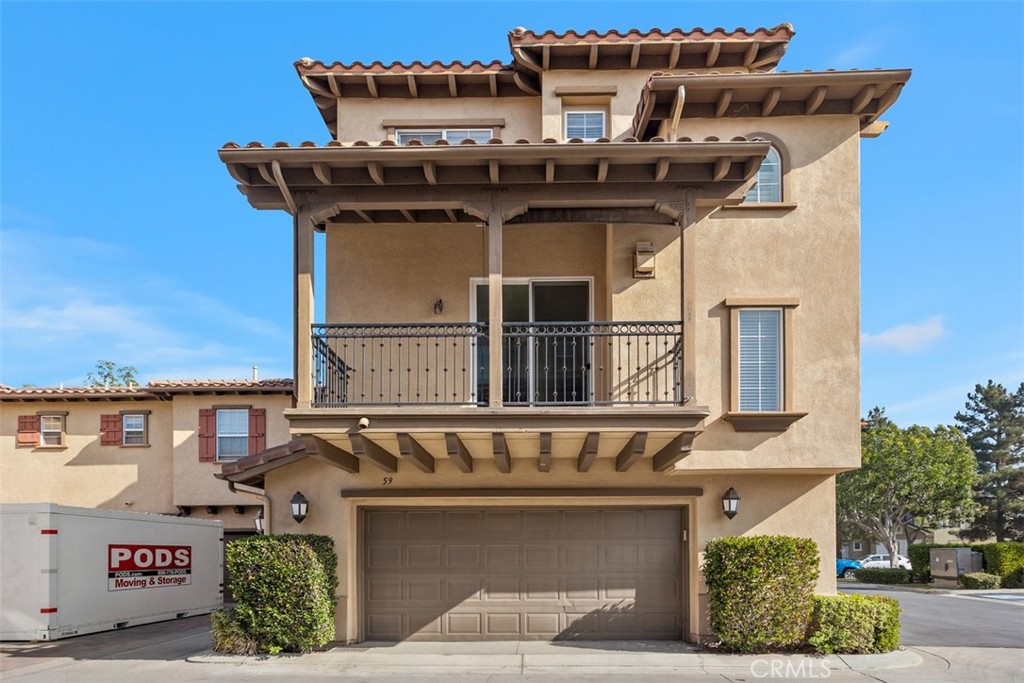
677	112
258	493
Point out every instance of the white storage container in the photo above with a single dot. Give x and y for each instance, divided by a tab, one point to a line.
65	571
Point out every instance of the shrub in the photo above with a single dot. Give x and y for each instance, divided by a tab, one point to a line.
980	580
228	635
886	575
284	597
1003	559
760	591
855	624
1014	580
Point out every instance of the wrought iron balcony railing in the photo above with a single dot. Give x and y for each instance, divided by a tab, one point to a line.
557	363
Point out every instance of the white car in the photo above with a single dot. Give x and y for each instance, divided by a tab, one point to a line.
882	562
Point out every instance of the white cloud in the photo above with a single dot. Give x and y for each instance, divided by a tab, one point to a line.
908	338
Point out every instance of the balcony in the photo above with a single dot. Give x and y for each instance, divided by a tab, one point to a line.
571	364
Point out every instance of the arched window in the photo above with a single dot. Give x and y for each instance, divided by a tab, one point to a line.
769	180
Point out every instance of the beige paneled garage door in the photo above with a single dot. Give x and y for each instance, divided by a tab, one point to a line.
494	574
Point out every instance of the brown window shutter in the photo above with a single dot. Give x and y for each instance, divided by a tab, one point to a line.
207	434
110	430
28	431
257	430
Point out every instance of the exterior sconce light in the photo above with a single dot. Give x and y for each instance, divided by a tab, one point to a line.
299	506
643	260
258	520
731	503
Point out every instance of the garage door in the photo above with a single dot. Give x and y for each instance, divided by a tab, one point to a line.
500	574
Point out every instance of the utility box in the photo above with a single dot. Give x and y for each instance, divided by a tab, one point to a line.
67	571
948	564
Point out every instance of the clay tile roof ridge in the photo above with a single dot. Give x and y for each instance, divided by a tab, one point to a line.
520	33
32	391
375	67
203	383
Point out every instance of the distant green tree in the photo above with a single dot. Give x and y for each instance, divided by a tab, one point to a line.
993	421
906	475
110	374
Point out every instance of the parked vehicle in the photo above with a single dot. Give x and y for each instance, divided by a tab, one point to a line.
846	568
881	561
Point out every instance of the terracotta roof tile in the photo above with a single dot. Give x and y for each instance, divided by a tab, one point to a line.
283	383
268	459
65	391
467	142
315	66
522	35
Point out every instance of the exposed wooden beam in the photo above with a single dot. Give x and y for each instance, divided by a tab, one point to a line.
770	101
239	173
813	102
458	453
376	171
889	97
501	455
407	215
602	170
317	88
750	54
544	459
676	449
275	169
332	82
414	453
265	173
322	172
522	80
451	215
673	55
592	62
721	168
411	81
862	99
712	57
588	454
430	172
364	215
724	100
631	452
661	168
492	171
453	86
365	449
750	168
492	80
634	56
371	85
327	452
545	57
549	171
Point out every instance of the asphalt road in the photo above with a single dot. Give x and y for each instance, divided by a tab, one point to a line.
952	620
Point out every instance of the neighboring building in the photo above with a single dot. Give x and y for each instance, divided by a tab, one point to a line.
143	449
556	333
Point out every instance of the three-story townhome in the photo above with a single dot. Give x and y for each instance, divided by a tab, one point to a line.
584	312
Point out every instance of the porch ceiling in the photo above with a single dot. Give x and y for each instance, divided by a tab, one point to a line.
388	183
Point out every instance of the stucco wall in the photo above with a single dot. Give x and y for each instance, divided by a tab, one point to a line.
361	118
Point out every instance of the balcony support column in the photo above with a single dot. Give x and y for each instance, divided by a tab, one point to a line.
495	303
688	292
304	307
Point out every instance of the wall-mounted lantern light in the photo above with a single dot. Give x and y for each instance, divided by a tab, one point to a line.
731	503
300	506
258	520
643	260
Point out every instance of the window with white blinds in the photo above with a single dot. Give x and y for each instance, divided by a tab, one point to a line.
760	353
585	125
768	187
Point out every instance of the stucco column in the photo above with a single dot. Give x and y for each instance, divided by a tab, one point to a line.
495	302
687	290
304	307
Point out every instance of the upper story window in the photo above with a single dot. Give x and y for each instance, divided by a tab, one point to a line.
768	187
133	430
452	135
760	359
232	433
51	430
585	125
128	428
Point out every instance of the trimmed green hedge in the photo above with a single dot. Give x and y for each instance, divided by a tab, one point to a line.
761	591
980	580
284	589
886	575
854	624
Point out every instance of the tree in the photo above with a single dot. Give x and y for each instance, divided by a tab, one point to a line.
110	374
993	421
906	475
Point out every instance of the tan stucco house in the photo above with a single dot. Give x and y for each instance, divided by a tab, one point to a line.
153	448
572	302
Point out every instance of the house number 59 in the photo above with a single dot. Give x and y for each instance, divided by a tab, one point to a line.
387	481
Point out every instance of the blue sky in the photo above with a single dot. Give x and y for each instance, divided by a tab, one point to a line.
123	237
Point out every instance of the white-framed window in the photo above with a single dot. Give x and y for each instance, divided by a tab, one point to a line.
585	125
768	187
51	430
858	547
232	433
760	359
133	429
452	135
